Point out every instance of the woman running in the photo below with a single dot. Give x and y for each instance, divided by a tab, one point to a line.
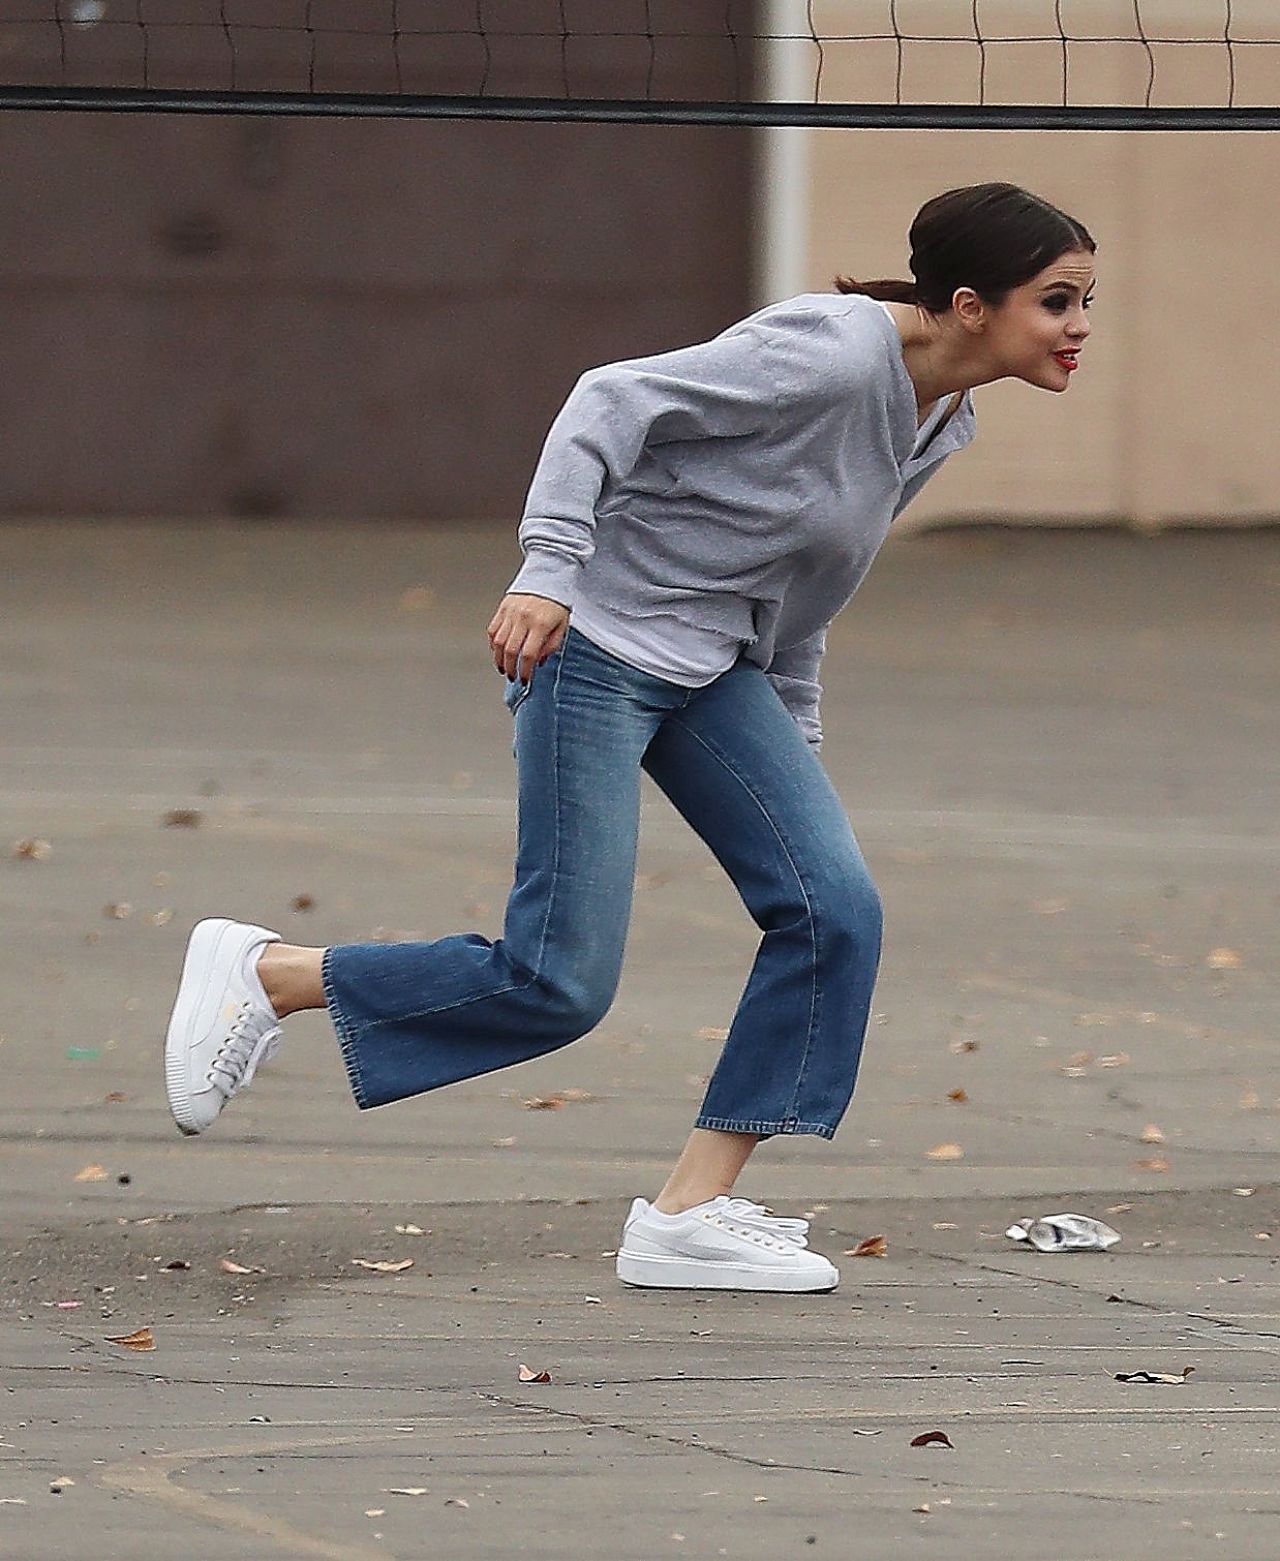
695	521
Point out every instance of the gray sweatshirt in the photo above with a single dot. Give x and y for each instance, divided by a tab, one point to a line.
742	485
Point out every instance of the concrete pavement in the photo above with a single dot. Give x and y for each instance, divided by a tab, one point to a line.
1059	751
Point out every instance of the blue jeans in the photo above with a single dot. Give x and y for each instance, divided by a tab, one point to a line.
413	1016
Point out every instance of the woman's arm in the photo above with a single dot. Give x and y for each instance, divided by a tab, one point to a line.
794	674
724	388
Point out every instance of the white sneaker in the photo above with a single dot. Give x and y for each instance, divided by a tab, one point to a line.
727	1244
222	1027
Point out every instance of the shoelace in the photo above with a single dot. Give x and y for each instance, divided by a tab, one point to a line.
252	1040
756	1217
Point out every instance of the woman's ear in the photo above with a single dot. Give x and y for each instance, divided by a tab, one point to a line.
969	309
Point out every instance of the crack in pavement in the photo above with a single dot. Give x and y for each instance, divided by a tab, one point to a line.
599	1423
696	1445
1077	1288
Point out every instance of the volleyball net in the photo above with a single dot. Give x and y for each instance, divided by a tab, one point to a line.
974	64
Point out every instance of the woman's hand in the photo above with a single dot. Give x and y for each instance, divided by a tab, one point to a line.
524	631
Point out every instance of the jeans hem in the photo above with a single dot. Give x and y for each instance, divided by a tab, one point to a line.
786	1125
814	922
346	1039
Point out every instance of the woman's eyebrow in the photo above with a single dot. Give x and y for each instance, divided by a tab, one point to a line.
1068	287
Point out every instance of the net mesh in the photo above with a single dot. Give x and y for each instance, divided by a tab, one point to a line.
807	60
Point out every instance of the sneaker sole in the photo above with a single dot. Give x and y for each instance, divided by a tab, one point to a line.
680	1273
193	991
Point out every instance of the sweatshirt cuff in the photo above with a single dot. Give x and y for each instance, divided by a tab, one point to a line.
548	574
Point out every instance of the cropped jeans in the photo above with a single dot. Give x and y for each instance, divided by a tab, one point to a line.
413	1016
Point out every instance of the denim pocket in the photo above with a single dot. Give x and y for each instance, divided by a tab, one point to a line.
515	693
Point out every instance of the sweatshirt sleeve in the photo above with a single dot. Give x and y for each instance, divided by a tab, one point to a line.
917	481
794	674
913	485
723	388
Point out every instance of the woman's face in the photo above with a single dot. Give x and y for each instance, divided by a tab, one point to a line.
1041	326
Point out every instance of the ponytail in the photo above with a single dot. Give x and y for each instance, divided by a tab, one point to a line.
989	237
887	289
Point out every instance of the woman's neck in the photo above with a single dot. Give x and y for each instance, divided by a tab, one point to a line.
929	351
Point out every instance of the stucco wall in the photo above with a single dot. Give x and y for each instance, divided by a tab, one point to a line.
1170	417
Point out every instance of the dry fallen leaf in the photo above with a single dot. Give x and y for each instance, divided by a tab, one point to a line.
302	902
526	1375
405	1490
176	1265
710	1032
115	1098
1154	1376
160	918
945	1152
556	1099
91	1173
1157	1162
945	1225
1243	1192
32	850
375	1512
957	1094
962	1046
504	1143
140	1339
410	1230
1223	959
1151	1134
228	1267
1249	1100
872	1246
1115	1060
183	818
120	911
457	1501
384	1268
931	1439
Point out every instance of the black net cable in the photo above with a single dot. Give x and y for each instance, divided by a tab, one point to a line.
484	44
1046	64
225	22
1146	44
982	52
818	49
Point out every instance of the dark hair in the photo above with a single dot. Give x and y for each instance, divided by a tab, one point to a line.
990	237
